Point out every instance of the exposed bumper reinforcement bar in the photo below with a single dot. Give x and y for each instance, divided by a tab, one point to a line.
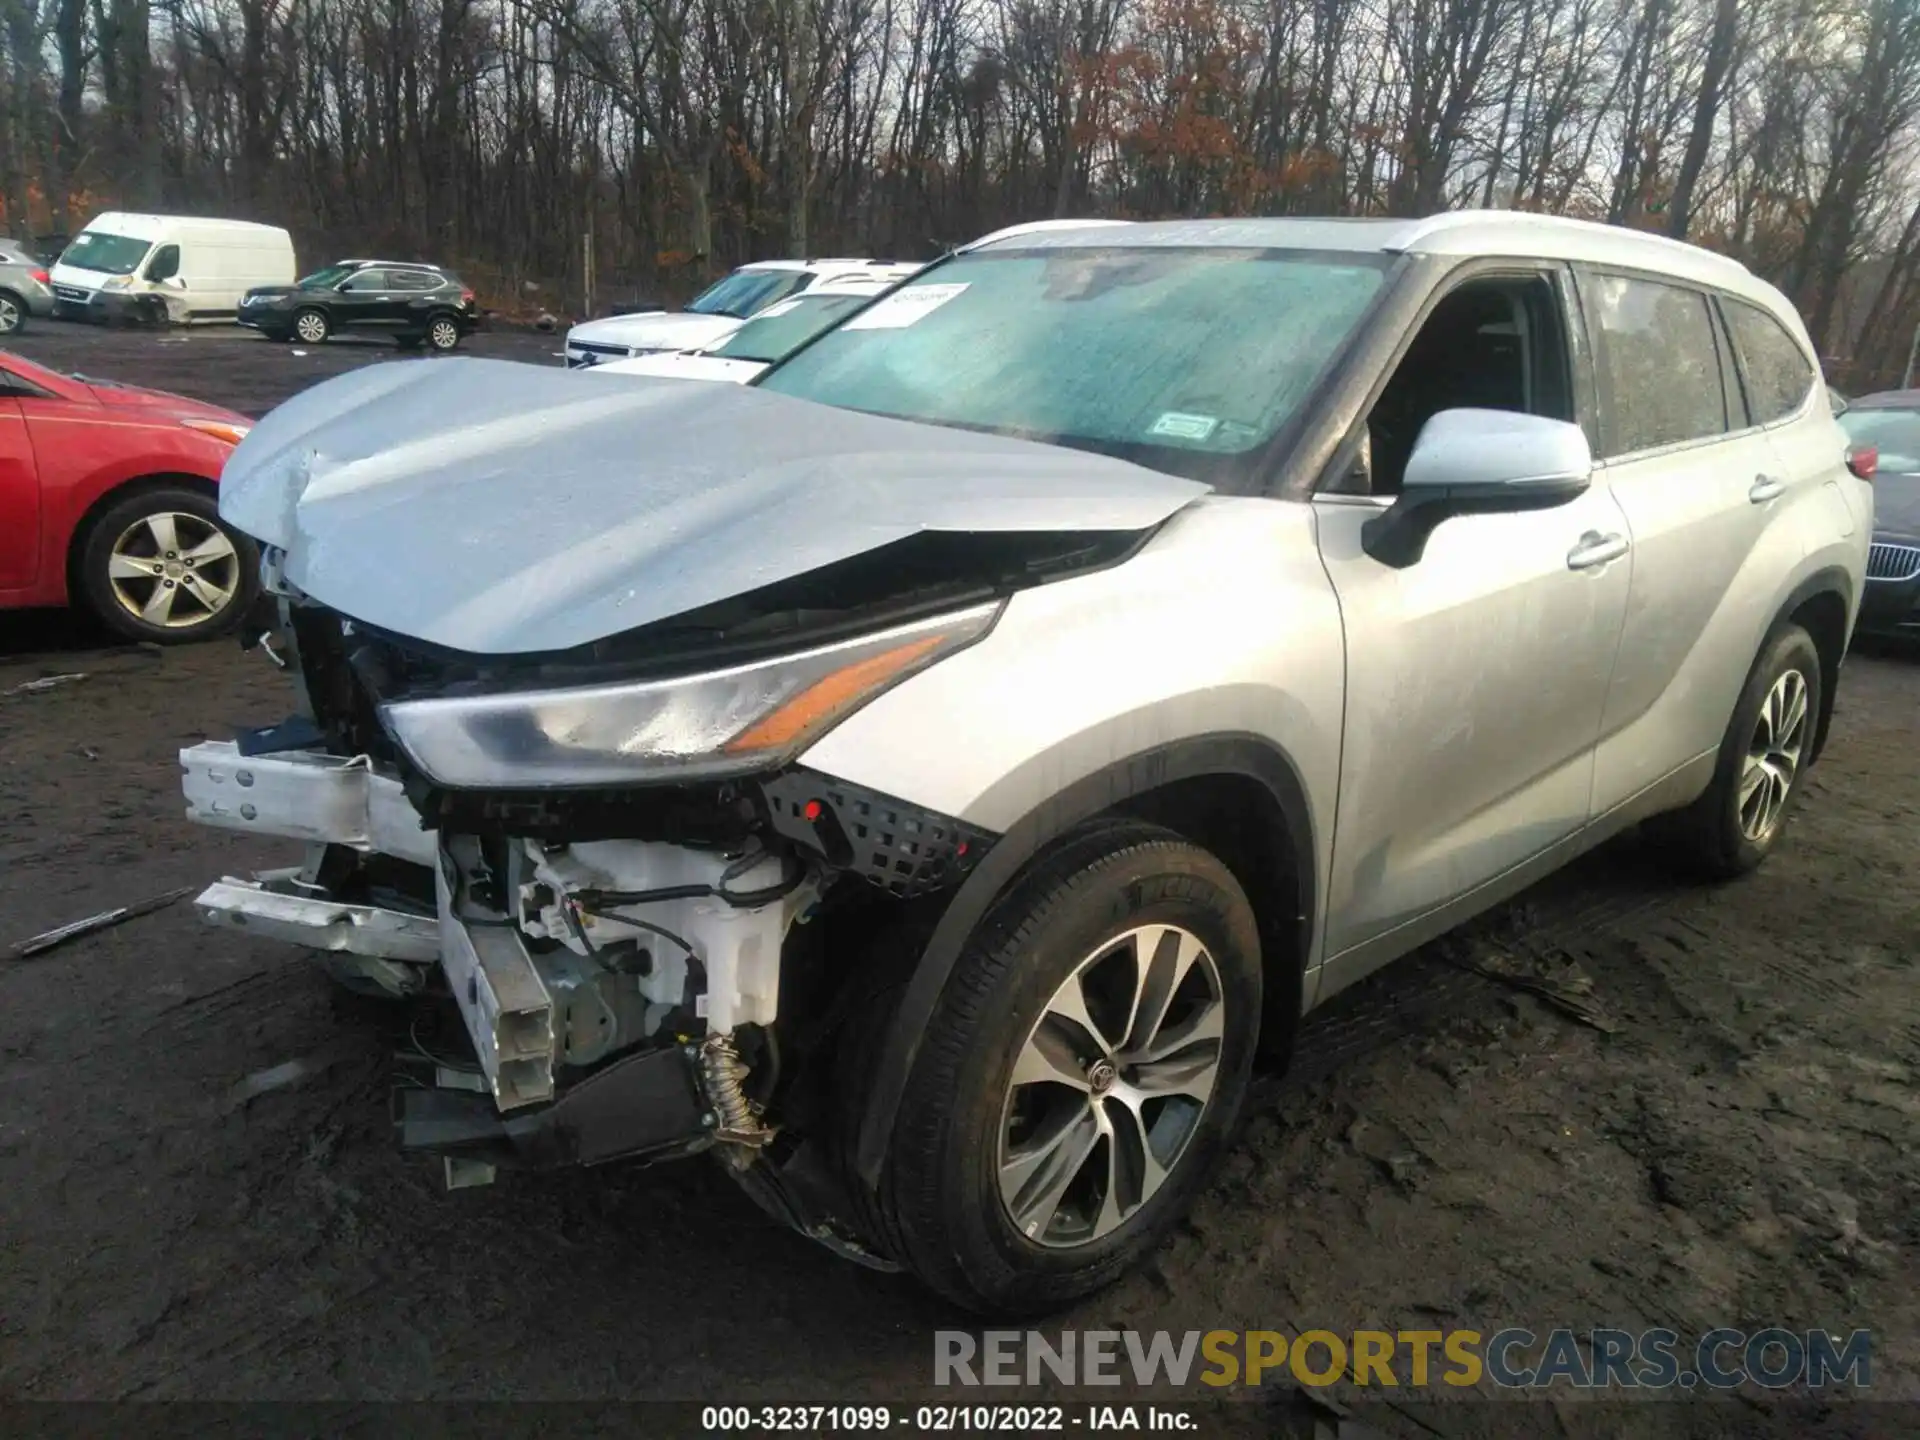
273	906
305	795
507	1007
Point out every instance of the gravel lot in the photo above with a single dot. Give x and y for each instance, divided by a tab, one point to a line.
1737	1149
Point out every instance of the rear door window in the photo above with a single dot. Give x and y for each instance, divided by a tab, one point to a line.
1659	363
412	280
1775	371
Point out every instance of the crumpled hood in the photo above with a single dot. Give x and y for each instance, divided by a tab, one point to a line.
498	508
670	330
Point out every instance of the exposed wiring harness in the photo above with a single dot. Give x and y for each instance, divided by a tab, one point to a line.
793	875
444	1062
572	909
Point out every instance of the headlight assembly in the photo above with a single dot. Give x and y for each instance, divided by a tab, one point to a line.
723	722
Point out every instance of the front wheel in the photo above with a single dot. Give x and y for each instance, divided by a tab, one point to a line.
1764	756
1080	1076
160	566
311	327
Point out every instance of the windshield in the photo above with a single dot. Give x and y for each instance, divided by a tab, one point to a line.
328	278
746	292
108	254
1896	433
1176	358
780	329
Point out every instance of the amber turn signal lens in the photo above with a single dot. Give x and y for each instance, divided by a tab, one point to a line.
219	430
828	696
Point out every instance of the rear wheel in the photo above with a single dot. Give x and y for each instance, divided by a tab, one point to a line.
311	327
443	334
160	566
1079	1077
13	313
1764	755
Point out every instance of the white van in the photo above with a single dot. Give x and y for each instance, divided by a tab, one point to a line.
197	268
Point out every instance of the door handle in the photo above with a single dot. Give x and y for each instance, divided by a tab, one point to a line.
1596	549
1766	488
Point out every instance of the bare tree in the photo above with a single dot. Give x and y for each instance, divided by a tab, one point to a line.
656	141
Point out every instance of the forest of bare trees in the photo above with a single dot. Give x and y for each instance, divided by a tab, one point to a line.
668	138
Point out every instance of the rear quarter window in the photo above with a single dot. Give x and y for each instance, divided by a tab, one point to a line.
1774	370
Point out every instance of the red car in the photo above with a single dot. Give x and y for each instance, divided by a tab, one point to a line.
107	498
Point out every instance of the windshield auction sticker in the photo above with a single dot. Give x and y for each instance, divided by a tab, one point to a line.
903	307
1177	425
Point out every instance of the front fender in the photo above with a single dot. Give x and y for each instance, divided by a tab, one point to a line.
1224	622
1217	650
85	460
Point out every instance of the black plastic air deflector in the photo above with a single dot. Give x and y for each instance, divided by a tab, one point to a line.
640	1106
905	849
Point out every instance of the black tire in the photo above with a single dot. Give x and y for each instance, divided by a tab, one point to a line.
443	334
941	1209
1709	838
190	617
13	313
311	326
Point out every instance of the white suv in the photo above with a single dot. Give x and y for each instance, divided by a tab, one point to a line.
925	777
718	310
769	337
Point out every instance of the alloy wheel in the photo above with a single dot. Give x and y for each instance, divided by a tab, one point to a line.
1774	754
1110	1085
311	328
174	570
9	316
443	334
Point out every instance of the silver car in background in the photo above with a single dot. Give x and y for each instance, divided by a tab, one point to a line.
23	287
925	777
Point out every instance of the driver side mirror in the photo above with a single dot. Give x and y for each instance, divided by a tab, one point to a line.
1478	462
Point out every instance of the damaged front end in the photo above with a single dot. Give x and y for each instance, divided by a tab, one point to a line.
649	917
549	764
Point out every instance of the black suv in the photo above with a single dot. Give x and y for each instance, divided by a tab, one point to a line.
416	304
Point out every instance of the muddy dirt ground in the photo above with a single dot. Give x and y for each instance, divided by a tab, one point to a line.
1736	1147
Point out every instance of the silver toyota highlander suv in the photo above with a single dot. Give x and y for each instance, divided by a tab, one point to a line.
924	779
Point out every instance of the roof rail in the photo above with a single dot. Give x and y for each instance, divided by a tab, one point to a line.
1448	220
